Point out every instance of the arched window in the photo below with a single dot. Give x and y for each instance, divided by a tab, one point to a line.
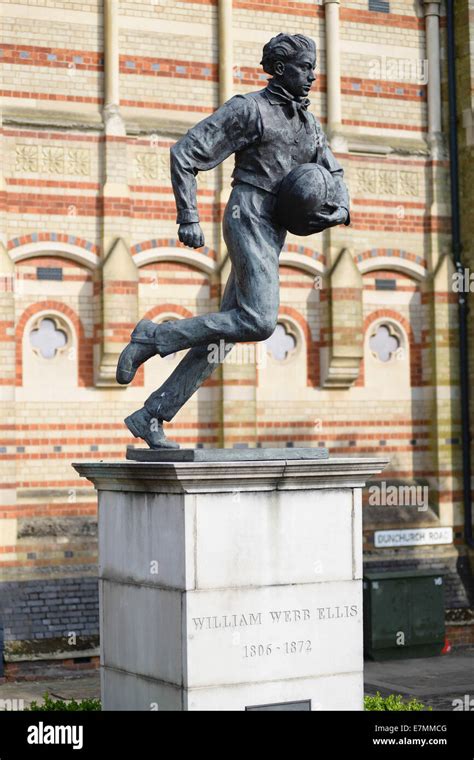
49	353
282	344
49	336
387	357
385	342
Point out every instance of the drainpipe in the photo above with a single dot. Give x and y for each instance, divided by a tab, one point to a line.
462	297
2	644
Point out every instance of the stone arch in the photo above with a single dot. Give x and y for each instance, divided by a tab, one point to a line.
394	259
68	246
301	257
168	308
169	249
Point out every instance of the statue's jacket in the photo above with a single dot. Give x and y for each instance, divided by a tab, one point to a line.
269	132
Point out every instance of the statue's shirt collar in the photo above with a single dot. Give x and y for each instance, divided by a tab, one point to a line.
293	107
277	95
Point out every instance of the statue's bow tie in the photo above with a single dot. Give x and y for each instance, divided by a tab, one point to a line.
299	108
293	107
302	105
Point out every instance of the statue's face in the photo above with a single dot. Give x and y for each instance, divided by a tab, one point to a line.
297	75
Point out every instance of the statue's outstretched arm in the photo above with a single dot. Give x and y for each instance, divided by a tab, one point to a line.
234	126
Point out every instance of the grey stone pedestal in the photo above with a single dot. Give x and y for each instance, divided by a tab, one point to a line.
231	585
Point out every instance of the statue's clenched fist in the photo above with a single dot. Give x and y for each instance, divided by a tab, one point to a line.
191	235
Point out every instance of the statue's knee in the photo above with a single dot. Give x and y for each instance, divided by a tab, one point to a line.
267	328
260	328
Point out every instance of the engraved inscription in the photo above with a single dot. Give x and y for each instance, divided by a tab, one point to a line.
240	619
274	618
289	616
264	635
287	647
227	621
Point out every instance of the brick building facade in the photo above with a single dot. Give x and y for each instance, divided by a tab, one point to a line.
94	93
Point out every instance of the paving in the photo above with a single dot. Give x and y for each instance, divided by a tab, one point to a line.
435	681
85	686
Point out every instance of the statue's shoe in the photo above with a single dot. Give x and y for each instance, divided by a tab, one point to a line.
143	425
141	347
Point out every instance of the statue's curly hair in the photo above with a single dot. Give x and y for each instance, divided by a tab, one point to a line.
282	48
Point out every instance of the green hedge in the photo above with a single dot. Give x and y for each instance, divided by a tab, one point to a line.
58	704
392	702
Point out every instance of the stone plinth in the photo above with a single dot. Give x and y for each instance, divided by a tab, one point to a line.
231	585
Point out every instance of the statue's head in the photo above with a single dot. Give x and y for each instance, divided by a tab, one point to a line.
291	59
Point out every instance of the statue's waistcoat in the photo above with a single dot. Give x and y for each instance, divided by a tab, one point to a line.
279	150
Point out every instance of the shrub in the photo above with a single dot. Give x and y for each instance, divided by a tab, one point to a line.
59	704
392	702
